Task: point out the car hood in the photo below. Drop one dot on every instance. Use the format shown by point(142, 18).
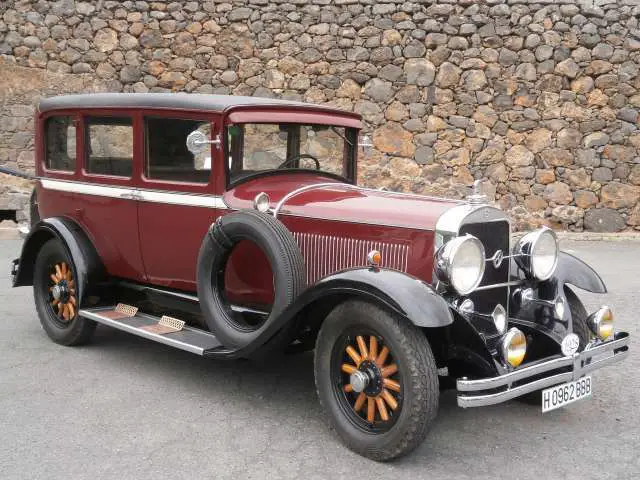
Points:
point(342, 202)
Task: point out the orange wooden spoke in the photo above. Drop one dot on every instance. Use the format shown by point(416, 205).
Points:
point(382, 357)
point(391, 384)
point(359, 402)
point(54, 303)
point(72, 300)
point(389, 399)
point(68, 276)
point(382, 408)
point(54, 278)
point(354, 355)
point(346, 368)
point(58, 272)
point(60, 309)
point(71, 283)
point(389, 370)
point(65, 312)
point(72, 312)
point(72, 291)
point(63, 269)
point(371, 409)
point(348, 388)
point(363, 347)
point(373, 347)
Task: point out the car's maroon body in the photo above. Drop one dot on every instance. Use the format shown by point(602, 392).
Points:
point(157, 243)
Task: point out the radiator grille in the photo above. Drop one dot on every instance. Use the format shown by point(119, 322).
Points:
point(325, 254)
point(494, 236)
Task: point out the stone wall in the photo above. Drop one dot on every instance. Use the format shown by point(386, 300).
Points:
point(540, 98)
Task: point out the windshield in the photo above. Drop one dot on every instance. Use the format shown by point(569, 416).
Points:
point(255, 148)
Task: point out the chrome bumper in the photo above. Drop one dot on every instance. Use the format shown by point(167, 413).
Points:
point(492, 390)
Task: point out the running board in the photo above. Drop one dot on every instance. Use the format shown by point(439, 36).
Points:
point(164, 330)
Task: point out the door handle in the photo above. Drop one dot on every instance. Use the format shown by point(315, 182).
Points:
point(127, 195)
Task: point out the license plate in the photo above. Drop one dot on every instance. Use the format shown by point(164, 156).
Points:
point(561, 395)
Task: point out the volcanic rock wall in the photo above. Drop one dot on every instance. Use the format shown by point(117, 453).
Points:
point(540, 98)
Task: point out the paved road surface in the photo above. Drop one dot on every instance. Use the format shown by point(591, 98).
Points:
point(125, 408)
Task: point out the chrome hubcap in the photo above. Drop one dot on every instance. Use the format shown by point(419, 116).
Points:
point(359, 381)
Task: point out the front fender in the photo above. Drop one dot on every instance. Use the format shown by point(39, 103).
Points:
point(406, 295)
point(88, 265)
point(575, 272)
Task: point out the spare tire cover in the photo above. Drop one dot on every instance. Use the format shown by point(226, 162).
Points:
point(287, 265)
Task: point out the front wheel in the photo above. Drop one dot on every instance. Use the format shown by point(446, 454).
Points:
point(377, 380)
point(55, 293)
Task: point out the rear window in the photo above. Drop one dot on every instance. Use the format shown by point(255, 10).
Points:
point(110, 146)
point(60, 140)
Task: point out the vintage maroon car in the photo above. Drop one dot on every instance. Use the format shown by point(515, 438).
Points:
point(232, 227)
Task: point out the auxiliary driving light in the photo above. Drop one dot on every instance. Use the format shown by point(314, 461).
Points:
point(499, 316)
point(514, 347)
point(601, 323)
point(261, 202)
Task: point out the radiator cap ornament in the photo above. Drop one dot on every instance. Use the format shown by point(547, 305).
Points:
point(477, 197)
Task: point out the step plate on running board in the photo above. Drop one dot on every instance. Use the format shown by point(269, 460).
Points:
point(190, 339)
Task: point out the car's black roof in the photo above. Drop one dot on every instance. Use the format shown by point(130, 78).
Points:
point(187, 101)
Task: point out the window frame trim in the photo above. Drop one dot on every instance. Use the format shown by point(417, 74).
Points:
point(75, 120)
point(86, 141)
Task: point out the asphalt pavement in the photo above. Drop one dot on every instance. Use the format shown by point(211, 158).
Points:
point(126, 408)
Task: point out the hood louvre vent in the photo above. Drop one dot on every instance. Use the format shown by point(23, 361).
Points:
point(325, 254)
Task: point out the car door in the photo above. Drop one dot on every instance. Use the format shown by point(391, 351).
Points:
point(177, 198)
point(105, 196)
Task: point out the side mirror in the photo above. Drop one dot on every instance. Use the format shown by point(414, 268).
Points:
point(197, 142)
point(366, 144)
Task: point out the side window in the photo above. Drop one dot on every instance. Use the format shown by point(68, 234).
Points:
point(168, 157)
point(109, 146)
point(60, 141)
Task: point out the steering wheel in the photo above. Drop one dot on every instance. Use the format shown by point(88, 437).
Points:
point(289, 161)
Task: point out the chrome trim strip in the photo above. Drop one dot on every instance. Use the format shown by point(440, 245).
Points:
point(134, 193)
point(498, 285)
point(580, 363)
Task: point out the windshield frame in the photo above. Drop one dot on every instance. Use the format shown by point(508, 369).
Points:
point(349, 159)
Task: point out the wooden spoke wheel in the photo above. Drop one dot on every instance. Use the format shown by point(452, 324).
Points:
point(57, 296)
point(370, 380)
point(62, 292)
point(376, 378)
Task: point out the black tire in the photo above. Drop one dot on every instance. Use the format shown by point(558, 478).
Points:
point(580, 328)
point(286, 262)
point(34, 213)
point(418, 378)
point(76, 330)
point(578, 318)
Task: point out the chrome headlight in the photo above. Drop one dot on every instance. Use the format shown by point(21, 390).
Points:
point(537, 253)
point(513, 347)
point(460, 263)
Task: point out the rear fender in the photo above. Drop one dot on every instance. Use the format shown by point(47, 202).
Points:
point(89, 267)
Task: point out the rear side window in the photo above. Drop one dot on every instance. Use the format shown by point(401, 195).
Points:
point(109, 146)
point(168, 157)
point(60, 144)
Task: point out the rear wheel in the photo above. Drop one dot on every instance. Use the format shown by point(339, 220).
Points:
point(56, 296)
point(377, 380)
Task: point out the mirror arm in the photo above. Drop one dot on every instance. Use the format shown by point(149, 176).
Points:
point(217, 142)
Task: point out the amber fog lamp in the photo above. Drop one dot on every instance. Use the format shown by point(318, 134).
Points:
point(261, 202)
point(374, 257)
point(537, 253)
point(514, 347)
point(601, 323)
point(460, 262)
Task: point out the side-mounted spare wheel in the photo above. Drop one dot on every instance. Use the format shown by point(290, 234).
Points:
point(56, 296)
point(287, 265)
point(377, 380)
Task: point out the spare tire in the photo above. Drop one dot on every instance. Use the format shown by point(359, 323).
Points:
point(287, 265)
